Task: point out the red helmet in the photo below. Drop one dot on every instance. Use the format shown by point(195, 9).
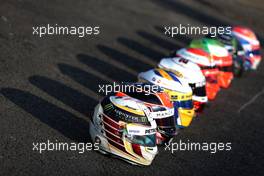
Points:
point(250, 44)
point(222, 58)
point(207, 65)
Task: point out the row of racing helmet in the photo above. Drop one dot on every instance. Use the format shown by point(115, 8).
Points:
point(130, 124)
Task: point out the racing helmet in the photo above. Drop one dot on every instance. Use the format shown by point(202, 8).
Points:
point(160, 107)
point(208, 68)
point(227, 39)
point(250, 44)
point(123, 126)
point(192, 73)
point(221, 57)
point(240, 62)
point(179, 91)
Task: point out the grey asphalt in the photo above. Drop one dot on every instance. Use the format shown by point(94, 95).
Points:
point(49, 85)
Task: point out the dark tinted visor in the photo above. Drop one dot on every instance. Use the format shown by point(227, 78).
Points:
point(198, 91)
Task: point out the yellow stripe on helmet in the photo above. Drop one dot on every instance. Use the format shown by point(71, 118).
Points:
point(177, 96)
point(134, 111)
point(164, 74)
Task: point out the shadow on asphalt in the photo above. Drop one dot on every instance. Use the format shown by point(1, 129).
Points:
point(57, 118)
point(129, 61)
point(141, 49)
point(184, 39)
point(69, 96)
point(82, 77)
point(165, 44)
point(111, 71)
point(181, 8)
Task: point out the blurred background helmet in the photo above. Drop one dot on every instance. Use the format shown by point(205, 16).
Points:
point(178, 89)
point(192, 73)
point(221, 57)
point(227, 39)
point(250, 44)
point(235, 49)
point(160, 106)
point(207, 66)
point(124, 127)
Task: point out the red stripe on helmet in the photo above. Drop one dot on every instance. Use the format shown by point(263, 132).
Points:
point(136, 149)
point(111, 122)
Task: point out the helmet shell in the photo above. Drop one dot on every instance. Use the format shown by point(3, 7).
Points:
point(196, 55)
point(191, 73)
point(122, 125)
point(250, 44)
point(221, 57)
point(215, 49)
point(189, 70)
point(208, 68)
point(228, 40)
point(166, 79)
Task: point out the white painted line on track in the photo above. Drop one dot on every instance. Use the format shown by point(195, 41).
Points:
point(251, 100)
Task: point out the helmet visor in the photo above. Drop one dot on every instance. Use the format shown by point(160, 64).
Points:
point(253, 53)
point(143, 140)
point(167, 126)
point(198, 90)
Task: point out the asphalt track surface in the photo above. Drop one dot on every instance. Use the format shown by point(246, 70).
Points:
point(49, 85)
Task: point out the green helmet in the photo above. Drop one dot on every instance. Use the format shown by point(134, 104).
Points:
point(212, 46)
point(228, 40)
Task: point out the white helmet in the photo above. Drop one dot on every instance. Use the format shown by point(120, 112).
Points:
point(178, 89)
point(192, 73)
point(123, 126)
point(166, 79)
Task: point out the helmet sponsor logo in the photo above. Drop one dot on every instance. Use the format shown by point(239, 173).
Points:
point(109, 107)
point(180, 97)
point(163, 114)
point(133, 131)
point(182, 60)
point(130, 118)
